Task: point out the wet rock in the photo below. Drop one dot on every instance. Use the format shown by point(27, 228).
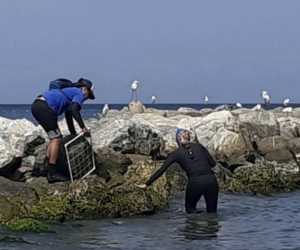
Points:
point(115, 162)
point(88, 198)
point(261, 178)
point(257, 152)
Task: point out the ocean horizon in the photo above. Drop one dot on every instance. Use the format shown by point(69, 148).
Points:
point(21, 111)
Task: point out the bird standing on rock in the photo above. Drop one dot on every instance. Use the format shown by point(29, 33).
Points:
point(286, 102)
point(153, 99)
point(105, 110)
point(206, 100)
point(134, 87)
point(257, 107)
point(238, 105)
point(266, 97)
point(287, 111)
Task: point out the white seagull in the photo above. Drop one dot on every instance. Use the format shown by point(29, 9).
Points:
point(105, 110)
point(287, 111)
point(239, 105)
point(134, 87)
point(286, 102)
point(266, 97)
point(153, 99)
point(257, 107)
point(206, 100)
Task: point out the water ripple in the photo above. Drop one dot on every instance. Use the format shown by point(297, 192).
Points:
point(242, 222)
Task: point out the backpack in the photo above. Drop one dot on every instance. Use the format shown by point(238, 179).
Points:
point(62, 83)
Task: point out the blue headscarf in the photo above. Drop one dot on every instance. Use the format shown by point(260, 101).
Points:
point(177, 134)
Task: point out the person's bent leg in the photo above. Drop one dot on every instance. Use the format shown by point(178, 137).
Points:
point(192, 196)
point(53, 148)
point(55, 140)
point(48, 120)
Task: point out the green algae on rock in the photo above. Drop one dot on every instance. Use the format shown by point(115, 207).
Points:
point(28, 225)
point(93, 198)
point(260, 179)
point(89, 198)
point(13, 239)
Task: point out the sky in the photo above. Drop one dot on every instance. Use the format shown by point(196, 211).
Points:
point(179, 51)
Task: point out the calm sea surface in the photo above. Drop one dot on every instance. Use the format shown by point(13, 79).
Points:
point(93, 110)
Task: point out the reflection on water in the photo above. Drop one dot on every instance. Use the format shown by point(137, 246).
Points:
point(242, 222)
point(200, 227)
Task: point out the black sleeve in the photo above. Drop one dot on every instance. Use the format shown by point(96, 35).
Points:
point(70, 123)
point(75, 109)
point(168, 162)
point(211, 161)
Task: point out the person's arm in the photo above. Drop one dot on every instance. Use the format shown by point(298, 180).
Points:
point(168, 162)
point(77, 102)
point(75, 110)
point(208, 156)
point(70, 123)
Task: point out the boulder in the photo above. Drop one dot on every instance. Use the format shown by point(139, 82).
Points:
point(91, 197)
point(136, 107)
point(257, 152)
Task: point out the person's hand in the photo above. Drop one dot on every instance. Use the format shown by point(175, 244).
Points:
point(141, 185)
point(86, 132)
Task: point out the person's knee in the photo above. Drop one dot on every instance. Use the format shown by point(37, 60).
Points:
point(54, 135)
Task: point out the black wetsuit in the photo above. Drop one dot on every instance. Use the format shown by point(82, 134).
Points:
point(197, 162)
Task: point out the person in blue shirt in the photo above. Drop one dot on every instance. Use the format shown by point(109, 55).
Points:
point(52, 103)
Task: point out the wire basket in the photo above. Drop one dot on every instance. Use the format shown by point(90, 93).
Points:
point(80, 157)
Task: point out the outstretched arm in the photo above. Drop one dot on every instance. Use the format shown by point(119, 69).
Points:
point(168, 162)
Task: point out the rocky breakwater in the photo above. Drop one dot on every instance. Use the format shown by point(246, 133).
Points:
point(257, 152)
point(107, 192)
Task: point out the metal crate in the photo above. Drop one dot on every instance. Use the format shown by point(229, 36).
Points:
point(80, 157)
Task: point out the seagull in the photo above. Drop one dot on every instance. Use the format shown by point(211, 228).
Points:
point(257, 107)
point(134, 87)
point(239, 105)
point(286, 102)
point(105, 110)
point(206, 100)
point(287, 111)
point(153, 99)
point(266, 97)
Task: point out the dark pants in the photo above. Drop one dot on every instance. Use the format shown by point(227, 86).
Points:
point(46, 118)
point(206, 185)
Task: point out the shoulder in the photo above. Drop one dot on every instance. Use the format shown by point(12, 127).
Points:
point(196, 145)
point(176, 152)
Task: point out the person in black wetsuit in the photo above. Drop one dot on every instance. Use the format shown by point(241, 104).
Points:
point(195, 159)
